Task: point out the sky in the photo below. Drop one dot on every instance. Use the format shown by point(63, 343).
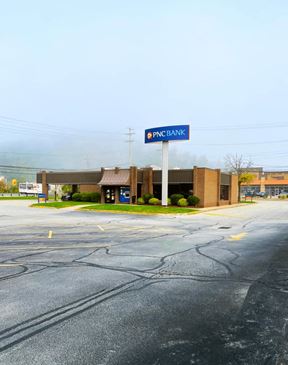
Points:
point(74, 76)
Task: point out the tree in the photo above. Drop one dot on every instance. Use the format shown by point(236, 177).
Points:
point(66, 189)
point(12, 189)
point(246, 178)
point(3, 187)
point(237, 165)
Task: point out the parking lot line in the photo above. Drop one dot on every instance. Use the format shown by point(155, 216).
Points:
point(237, 237)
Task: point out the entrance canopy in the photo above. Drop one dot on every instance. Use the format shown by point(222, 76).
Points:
point(115, 178)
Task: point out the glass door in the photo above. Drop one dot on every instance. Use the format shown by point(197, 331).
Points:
point(109, 194)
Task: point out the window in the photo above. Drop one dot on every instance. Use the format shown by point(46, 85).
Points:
point(224, 192)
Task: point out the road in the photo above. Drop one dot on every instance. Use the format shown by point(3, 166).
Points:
point(210, 288)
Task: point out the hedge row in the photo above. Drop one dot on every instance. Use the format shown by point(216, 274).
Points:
point(175, 199)
point(87, 197)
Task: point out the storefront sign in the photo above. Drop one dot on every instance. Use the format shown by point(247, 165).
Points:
point(171, 133)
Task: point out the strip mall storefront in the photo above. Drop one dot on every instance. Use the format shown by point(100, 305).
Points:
point(271, 183)
point(117, 185)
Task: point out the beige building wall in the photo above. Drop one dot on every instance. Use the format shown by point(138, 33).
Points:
point(234, 189)
point(211, 184)
point(206, 186)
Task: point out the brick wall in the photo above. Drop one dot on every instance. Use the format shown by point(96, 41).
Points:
point(234, 189)
point(147, 186)
point(44, 184)
point(133, 183)
point(89, 189)
point(211, 184)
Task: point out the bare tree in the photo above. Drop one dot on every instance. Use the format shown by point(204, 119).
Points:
point(238, 165)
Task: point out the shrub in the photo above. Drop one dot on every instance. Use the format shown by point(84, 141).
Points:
point(95, 197)
point(76, 197)
point(147, 197)
point(182, 202)
point(85, 197)
point(193, 200)
point(154, 201)
point(168, 201)
point(140, 201)
point(175, 197)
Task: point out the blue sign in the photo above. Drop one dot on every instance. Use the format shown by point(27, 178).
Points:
point(124, 195)
point(171, 133)
point(42, 198)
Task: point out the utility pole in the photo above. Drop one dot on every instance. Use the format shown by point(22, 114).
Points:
point(130, 141)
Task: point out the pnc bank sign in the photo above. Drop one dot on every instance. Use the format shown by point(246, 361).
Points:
point(171, 133)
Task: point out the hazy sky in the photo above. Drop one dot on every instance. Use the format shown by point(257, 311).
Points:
point(91, 69)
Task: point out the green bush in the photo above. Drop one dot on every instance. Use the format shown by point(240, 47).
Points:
point(147, 197)
point(154, 201)
point(168, 201)
point(95, 197)
point(140, 201)
point(85, 197)
point(182, 202)
point(193, 200)
point(76, 197)
point(175, 197)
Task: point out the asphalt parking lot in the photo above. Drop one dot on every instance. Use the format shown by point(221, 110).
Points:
point(129, 289)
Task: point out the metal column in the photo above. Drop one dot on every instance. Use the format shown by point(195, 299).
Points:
point(165, 145)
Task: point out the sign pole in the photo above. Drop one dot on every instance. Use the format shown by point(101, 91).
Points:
point(165, 149)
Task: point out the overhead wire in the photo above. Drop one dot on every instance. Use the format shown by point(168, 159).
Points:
point(25, 125)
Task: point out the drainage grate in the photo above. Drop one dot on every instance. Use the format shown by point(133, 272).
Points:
point(224, 227)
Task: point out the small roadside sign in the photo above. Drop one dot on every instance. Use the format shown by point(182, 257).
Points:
point(42, 198)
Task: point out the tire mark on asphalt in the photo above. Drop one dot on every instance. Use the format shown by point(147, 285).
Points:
point(7, 277)
point(14, 335)
point(26, 270)
point(21, 332)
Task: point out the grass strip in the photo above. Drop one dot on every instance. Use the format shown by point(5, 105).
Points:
point(139, 209)
point(18, 198)
point(59, 205)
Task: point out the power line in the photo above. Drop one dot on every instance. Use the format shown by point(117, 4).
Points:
point(22, 125)
point(26, 168)
point(240, 127)
point(13, 173)
point(241, 144)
